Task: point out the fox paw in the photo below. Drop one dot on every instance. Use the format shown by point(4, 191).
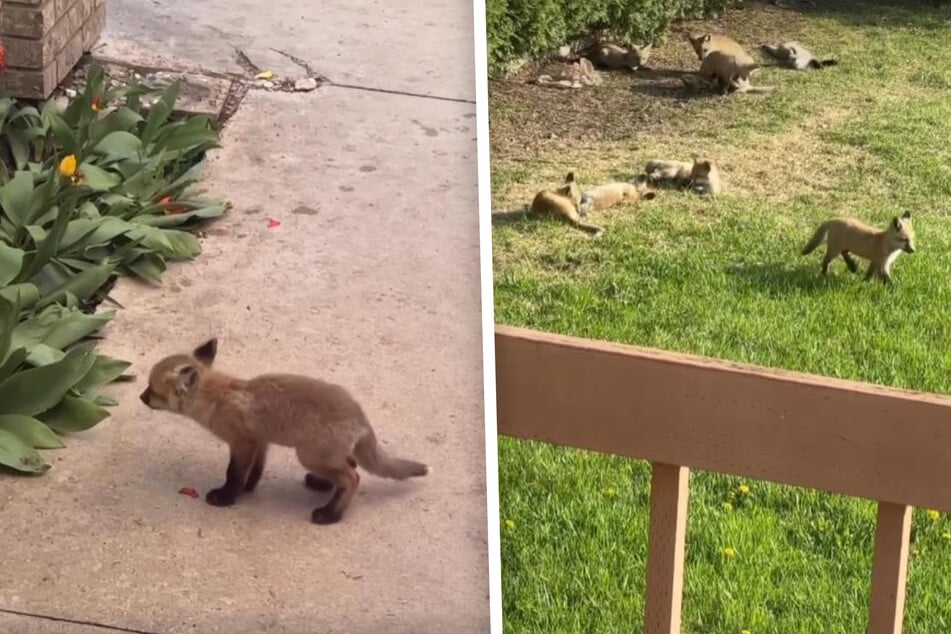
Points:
point(326, 515)
point(220, 497)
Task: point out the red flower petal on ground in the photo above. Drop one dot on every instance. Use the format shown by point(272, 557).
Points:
point(190, 492)
point(271, 223)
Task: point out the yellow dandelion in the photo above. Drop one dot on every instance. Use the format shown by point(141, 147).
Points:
point(946, 536)
point(727, 506)
point(933, 515)
point(510, 524)
point(746, 632)
point(745, 490)
point(729, 552)
point(610, 492)
point(67, 167)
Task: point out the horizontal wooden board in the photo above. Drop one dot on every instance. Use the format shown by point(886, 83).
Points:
point(810, 431)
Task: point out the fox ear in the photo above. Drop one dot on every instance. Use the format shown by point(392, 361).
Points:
point(707, 38)
point(896, 222)
point(206, 352)
point(647, 47)
point(186, 380)
point(570, 178)
point(906, 215)
point(649, 195)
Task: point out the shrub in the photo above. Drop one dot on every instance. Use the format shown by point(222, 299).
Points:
point(86, 194)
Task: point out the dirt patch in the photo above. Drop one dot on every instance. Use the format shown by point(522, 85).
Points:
point(524, 116)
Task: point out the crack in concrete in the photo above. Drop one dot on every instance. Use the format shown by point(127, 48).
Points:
point(303, 64)
point(60, 619)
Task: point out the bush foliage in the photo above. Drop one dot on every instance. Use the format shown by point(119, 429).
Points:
point(100, 189)
point(517, 28)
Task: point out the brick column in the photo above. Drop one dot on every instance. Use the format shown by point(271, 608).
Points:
point(44, 40)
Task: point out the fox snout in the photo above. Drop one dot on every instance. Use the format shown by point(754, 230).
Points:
point(144, 396)
point(909, 248)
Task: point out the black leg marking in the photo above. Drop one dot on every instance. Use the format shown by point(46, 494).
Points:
point(254, 476)
point(315, 482)
point(234, 482)
point(850, 261)
point(330, 512)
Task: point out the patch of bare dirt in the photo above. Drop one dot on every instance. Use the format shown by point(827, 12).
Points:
point(525, 116)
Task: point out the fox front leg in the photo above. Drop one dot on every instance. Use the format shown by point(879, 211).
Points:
point(240, 463)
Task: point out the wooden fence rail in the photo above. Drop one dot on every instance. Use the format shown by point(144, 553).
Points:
point(681, 412)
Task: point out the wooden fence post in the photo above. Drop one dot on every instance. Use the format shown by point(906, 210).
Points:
point(889, 568)
point(666, 542)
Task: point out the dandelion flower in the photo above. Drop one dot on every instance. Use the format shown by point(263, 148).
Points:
point(745, 490)
point(746, 632)
point(727, 506)
point(729, 551)
point(510, 524)
point(67, 166)
point(946, 536)
point(610, 492)
point(933, 515)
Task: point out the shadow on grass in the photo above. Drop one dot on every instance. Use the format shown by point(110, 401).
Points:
point(508, 217)
point(928, 14)
point(777, 280)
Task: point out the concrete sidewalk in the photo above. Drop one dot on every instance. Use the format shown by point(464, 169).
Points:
point(370, 280)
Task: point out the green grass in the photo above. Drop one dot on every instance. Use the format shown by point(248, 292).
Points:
point(724, 278)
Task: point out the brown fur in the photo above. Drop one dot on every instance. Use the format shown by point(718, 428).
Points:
point(848, 237)
point(610, 194)
point(320, 420)
point(702, 176)
point(796, 56)
point(615, 57)
point(707, 43)
point(724, 71)
point(564, 204)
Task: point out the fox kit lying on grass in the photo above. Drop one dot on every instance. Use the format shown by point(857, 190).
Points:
point(848, 237)
point(320, 420)
point(796, 56)
point(723, 71)
point(615, 57)
point(563, 203)
point(610, 194)
point(702, 176)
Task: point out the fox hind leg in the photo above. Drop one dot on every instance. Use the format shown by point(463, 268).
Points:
point(827, 260)
point(850, 261)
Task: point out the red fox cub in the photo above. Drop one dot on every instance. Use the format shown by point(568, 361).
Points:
point(564, 204)
point(610, 194)
point(615, 57)
point(702, 176)
point(796, 56)
point(848, 237)
point(705, 44)
point(320, 420)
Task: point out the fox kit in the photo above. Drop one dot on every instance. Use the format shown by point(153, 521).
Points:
point(702, 176)
point(320, 420)
point(796, 56)
point(707, 43)
point(610, 194)
point(616, 57)
point(848, 237)
point(563, 203)
point(726, 73)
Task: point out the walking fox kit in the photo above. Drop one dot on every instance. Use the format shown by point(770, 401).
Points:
point(848, 237)
point(320, 420)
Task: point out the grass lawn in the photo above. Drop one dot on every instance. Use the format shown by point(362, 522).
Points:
point(724, 278)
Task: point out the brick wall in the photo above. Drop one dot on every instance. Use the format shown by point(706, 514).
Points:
point(44, 40)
